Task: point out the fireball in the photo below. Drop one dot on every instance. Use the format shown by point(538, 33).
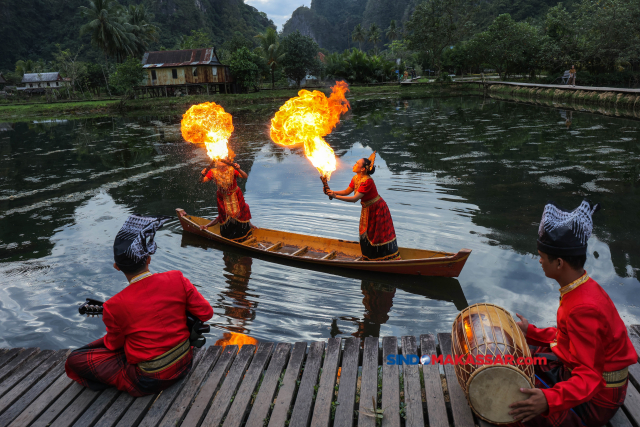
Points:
point(208, 124)
point(308, 117)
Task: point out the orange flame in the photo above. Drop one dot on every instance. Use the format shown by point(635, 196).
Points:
point(208, 124)
point(233, 338)
point(308, 117)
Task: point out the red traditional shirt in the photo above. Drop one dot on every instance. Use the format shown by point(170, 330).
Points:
point(365, 186)
point(590, 339)
point(148, 317)
point(225, 178)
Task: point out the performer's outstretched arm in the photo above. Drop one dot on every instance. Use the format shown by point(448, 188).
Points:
point(351, 199)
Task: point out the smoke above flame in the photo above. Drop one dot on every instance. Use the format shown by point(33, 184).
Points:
point(308, 117)
point(208, 124)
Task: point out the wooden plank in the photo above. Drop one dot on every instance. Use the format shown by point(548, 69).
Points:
point(30, 365)
point(632, 404)
point(208, 390)
point(330, 255)
point(326, 390)
point(304, 401)
point(177, 411)
point(59, 405)
point(412, 388)
point(98, 408)
point(634, 370)
point(275, 247)
point(249, 241)
point(32, 394)
point(43, 401)
point(262, 404)
point(115, 411)
point(136, 411)
point(348, 382)
point(301, 251)
point(222, 401)
point(460, 409)
point(620, 420)
point(390, 385)
point(242, 399)
point(369, 383)
point(436, 409)
point(8, 355)
point(22, 357)
point(160, 406)
point(76, 409)
point(284, 399)
point(28, 384)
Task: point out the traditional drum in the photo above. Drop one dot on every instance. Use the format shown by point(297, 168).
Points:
point(483, 330)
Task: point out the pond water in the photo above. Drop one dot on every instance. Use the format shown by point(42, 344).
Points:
point(456, 172)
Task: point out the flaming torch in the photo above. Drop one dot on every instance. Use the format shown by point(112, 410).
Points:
point(308, 117)
point(209, 124)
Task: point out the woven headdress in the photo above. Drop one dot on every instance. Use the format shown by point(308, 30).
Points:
point(564, 232)
point(135, 241)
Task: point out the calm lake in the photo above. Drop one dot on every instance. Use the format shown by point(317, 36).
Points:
point(456, 172)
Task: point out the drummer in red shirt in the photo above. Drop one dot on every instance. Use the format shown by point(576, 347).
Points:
point(585, 380)
point(146, 348)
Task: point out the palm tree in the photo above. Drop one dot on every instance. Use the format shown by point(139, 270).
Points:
point(143, 29)
point(392, 31)
point(271, 50)
point(374, 36)
point(109, 29)
point(358, 35)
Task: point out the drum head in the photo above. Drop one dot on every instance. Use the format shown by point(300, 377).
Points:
point(493, 389)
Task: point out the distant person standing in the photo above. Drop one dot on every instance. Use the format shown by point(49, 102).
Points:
point(406, 75)
point(572, 76)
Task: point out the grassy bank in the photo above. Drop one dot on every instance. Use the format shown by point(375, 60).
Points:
point(231, 103)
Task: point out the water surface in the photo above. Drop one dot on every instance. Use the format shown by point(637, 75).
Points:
point(456, 172)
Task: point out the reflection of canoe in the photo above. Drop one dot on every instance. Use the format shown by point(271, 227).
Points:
point(333, 252)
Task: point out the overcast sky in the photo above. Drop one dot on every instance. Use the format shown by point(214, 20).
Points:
point(278, 10)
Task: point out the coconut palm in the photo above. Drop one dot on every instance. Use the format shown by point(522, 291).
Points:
point(271, 50)
point(359, 35)
point(143, 29)
point(392, 31)
point(374, 36)
point(109, 29)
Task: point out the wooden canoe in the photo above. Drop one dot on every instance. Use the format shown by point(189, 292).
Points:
point(333, 252)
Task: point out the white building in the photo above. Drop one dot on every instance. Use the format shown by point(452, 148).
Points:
point(39, 82)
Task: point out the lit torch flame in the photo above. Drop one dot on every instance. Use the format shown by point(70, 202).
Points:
point(234, 338)
point(308, 117)
point(208, 124)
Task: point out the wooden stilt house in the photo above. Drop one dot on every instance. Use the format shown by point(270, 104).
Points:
point(189, 71)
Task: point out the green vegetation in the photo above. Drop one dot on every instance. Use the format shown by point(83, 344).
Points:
point(300, 57)
point(271, 50)
point(355, 66)
point(245, 67)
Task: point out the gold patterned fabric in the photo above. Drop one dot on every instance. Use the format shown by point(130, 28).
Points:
point(166, 359)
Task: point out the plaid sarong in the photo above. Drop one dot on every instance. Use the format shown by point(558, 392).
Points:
point(377, 235)
point(594, 413)
point(96, 367)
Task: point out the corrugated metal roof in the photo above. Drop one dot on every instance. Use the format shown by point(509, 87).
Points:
point(180, 58)
point(41, 77)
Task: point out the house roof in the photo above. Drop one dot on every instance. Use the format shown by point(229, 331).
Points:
point(41, 77)
point(180, 58)
point(2, 79)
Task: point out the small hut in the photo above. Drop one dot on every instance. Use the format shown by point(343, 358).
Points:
point(40, 82)
point(187, 71)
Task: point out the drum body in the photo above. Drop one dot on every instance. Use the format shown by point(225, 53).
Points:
point(488, 330)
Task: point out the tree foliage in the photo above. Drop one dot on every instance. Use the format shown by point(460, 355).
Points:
point(245, 67)
point(301, 57)
point(199, 39)
point(127, 76)
point(439, 24)
point(355, 66)
point(271, 50)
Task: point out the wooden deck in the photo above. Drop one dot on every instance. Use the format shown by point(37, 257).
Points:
point(339, 383)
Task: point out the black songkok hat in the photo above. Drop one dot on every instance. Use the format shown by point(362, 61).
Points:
point(565, 233)
point(135, 241)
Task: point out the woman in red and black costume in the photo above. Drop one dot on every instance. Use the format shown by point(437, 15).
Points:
point(377, 235)
point(234, 215)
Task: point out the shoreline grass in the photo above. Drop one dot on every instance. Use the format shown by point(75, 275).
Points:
point(231, 103)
